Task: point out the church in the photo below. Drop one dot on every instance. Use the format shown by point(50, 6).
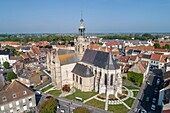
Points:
point(83, 68)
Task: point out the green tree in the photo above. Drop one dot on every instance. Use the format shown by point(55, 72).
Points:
point(11, 75)
point(6, 65)
point(157, 45)
point(136, 78)
point(49, 106)
point(167, 46)
point(81, 110)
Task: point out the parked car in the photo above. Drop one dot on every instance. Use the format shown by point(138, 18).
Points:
point(143, 111)
point(153, 100)
point(153, 107)
point(156, 90)
point(148, 82)
point(147, 99)
point(158, 81)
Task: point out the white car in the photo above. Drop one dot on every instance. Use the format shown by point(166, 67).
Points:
point(62, 111)
point(153, 107)
point(143, 111)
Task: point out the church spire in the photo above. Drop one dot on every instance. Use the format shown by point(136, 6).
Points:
point(82, 27)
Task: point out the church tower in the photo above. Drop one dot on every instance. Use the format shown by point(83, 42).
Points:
point(81, 44)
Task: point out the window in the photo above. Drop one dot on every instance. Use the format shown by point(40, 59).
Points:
point(111, 79)
point(14, 95)
point(10, 105)
point(17, 103)
point(80, 80)
point(4, 99)
point(73, 77)
point(23, 100)
point(105, 80)
point(30, 99)
point(76, 78)
point(2, 108)
point(24, 92)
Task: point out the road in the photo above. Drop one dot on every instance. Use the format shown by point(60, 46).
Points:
point(147, 90)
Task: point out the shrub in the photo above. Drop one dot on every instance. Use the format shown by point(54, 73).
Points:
point(66, 88)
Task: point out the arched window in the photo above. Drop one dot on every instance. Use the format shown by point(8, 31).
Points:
point(111, 79)
point(105, 79)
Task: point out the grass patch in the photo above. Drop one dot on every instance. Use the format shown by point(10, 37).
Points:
point(55, 92)
point(83, 95)
point(118, 108)
point(129, 102)
point(37, 86)
point(135, 93)
point(131, 87)
point(47, 88)
point(113, 108)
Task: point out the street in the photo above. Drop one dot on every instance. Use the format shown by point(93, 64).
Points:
point(144, 100)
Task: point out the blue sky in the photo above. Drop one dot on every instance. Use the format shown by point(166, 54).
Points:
point(106, 16)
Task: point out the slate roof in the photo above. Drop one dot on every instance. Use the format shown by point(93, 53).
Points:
point(100, 59)
point(64, 51)
point(146, 56)
point(4, 52)
point(17, 88)
point(82, 70)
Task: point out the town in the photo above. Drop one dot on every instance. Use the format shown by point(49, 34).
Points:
point(87, 73)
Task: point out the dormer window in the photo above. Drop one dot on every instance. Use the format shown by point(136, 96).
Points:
point(4, 99)
point(24, 92)
point(14, 96)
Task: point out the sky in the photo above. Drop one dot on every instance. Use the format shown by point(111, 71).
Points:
point(100, 16)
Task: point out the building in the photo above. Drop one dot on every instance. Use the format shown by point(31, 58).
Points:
point(97, 71)
point(8, 43)
point(16, 98)
point(60, 63)
point(82, 43)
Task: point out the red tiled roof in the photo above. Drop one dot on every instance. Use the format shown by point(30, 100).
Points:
point(155, 57)
point(133, 58)
point(112, 43)
point(123, 59)
point(163, 58)
point(11, 43)
point(159, 50)
point(142, 48)
point(94, 46)
point(36, 50)
point(141, 67)
point(24, 56)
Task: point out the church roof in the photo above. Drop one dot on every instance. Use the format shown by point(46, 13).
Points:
point(68, 58)
point(64, 51)
point(100, 59)
point(82, 70)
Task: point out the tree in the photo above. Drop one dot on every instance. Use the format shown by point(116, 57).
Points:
point(66, 88)
point(167, 46)
point(81, 110)
point(11, 75)
point(136, 78)
point(49, 106)
point(6, 64)
point(157, 45)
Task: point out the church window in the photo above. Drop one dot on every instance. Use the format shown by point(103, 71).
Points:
point(80, 80)
point(76, 78)
point(111, 79)
point(95, 71)
point(73, 77)
point(105, 80)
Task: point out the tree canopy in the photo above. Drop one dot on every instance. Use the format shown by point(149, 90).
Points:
point(49, 106)
point(81, 110)
point(6, 64)
point(157, 45)
point(136, 78)
point(11, 75)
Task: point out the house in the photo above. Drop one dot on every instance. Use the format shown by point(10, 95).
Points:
point(162, 62)
point(133, 59)
point(154, 60)
point(146, 57)
point(16, 98)
point(8, 43)
point(141, 67)
point(101, 70)
point(5, 57)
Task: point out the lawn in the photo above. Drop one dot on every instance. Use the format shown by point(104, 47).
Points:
point(47, 88)
point(55, 92)
point(135, 93)
point(83, 95)
point(113, 108)
point(131, 87)
point(129, 102)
